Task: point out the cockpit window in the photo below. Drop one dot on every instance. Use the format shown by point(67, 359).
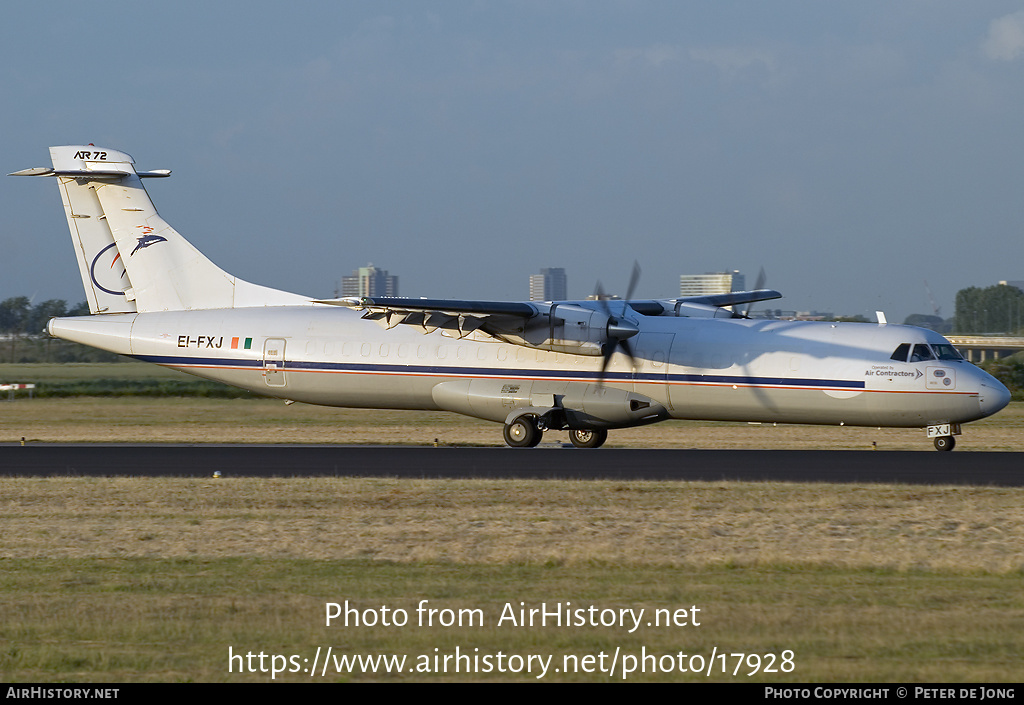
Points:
point(901, 352)
point(921, 353)
point(947, 352)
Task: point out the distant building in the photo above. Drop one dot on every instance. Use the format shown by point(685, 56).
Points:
point(711, 283)
point(369, 281)
point(1018, 284)
point(549, 285)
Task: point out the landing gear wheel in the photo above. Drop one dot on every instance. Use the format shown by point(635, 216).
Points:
point(523, 432)
point(588, 437)
point(945, 443)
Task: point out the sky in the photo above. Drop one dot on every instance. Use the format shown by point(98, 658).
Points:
point(855, 150)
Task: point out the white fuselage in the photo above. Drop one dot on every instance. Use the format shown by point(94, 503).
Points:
point(696, 368)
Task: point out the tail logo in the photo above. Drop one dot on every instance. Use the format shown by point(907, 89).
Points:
point(147, 239)
point(109, 274)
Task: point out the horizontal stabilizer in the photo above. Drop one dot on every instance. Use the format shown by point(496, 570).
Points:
point(89, 173)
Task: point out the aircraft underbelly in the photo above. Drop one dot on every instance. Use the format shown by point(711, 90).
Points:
point(821, 406)
point(493, 398)
point(355, 390)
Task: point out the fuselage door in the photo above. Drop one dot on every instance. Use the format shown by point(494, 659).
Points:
point(273, 362)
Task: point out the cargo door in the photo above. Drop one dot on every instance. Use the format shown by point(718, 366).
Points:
point(273, 362)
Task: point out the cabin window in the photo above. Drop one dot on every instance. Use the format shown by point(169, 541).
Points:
point(901, 352)
point(921, 353)
point(947, 352)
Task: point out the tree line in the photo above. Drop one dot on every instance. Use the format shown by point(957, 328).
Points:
point(23, 338)
point(994, 310)
point(19, 317)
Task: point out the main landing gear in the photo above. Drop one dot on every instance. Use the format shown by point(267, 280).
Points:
point(588, 437)
point(525, 432)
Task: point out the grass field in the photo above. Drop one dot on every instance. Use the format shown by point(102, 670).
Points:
point(127, 579)
point(257, 420)
point(40, 373)
point(122, 579)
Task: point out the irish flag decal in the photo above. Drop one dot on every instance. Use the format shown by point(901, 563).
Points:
point(246, 346)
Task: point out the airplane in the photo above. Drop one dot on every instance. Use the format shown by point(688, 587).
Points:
point(586, 366)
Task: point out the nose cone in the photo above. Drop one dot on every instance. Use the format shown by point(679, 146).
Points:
point(994, 396)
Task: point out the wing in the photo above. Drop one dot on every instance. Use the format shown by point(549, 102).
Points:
point(578, 327)
point(459, 318)
point(733, 298)
point(713, 305)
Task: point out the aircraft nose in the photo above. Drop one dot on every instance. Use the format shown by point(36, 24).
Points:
point(994, 396)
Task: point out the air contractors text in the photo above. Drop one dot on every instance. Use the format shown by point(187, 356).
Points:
point(890, 371)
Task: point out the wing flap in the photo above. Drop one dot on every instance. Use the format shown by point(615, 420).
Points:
point(450, 306)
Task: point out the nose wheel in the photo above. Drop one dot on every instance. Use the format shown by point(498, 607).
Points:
point(943, 435)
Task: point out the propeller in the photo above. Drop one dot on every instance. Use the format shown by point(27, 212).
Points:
point(619, 329)
point(761, 277)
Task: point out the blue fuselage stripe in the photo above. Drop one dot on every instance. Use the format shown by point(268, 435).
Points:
point(513, 373)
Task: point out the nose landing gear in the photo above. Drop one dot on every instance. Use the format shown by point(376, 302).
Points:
point(943, 435)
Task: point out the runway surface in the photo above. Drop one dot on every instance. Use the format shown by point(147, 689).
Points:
point(933, 468)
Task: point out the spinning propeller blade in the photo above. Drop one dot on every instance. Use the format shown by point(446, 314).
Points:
point(619, 329)
point(757, 286)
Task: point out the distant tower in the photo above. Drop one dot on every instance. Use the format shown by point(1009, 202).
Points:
point(369, 281)
point(711, 283)
point(549, 285)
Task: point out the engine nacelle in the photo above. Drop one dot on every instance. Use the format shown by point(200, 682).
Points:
point(695, 310)
point(569, 328)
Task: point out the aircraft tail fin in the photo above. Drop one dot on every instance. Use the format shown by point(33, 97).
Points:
point(129, 257)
